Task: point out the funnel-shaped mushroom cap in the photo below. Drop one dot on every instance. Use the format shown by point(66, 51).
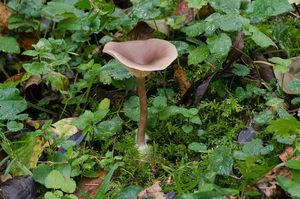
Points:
point(142, 56)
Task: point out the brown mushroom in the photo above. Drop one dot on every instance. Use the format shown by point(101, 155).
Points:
point(141, 57)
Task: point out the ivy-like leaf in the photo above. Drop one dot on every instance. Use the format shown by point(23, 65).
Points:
point(261, 9)
point(11, 104)
point(198, 55)
point(9, 45)
point(219, 44)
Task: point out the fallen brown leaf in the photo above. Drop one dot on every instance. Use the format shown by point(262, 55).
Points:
point(286, 154)
point(268, 183)
point(4, 15)
point(90, 185)
point(15, 78)
point(153, 191)
point(183, 9)
point(140, 32)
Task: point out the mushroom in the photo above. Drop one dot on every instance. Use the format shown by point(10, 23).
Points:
point(141, 57)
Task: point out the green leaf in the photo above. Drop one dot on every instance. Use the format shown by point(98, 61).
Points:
point(260, 38)
point(146, 9)
point(37, 68)
point(261, 9)
point(264, 117)
point(132, 108)
point(108, 128)
point(281, 65)
point(275, 102)
point(293, 164)
point(284, 127)
point(228, 6)
point(113, 70)
point(219, 44)
point(221, 160)
point(255, 147)
point(294, 85)
point(198, 55)
point(289, 186)
point(68, 186)
point(129, 192)
point(41, 172)
point(230, 22)
point(198, 147)
point(104, 185)
point(54, 180)
point(194, 29)
point(31, 53)
point(240, 70)
point(9, 45)
point(197, 3)
point(160, 102)
point(181, 46)
point(14, 126)
point(187, 128)
point(11, 104)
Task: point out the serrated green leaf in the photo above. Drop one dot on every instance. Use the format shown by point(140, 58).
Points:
point(113, 70)
point(194, 29)
point(219, 44)
point(198, 55)
point(240, 70)
point(108, 128)
point(132, 108)
point(11, 104)
point(284, 127)
point(9, 45)
point(221, 160)
point(37, 68)
point(264, 117)
point(294, 85)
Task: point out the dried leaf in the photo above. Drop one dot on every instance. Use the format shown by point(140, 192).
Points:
point(153, 191)
point(15, 78)
point(27, 40)
point(4, 15)
point(205, 11)
point(183, 9)
point(181, 78)
point(33, 89)
point(201, 89)
point(141, 31)
point(268, 184)
point(236, 51)
point(90, 185)
point(292, 75)
point(265, 71)
point(286, 154)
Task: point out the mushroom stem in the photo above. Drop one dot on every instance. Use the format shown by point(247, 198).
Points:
point(143, 111)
